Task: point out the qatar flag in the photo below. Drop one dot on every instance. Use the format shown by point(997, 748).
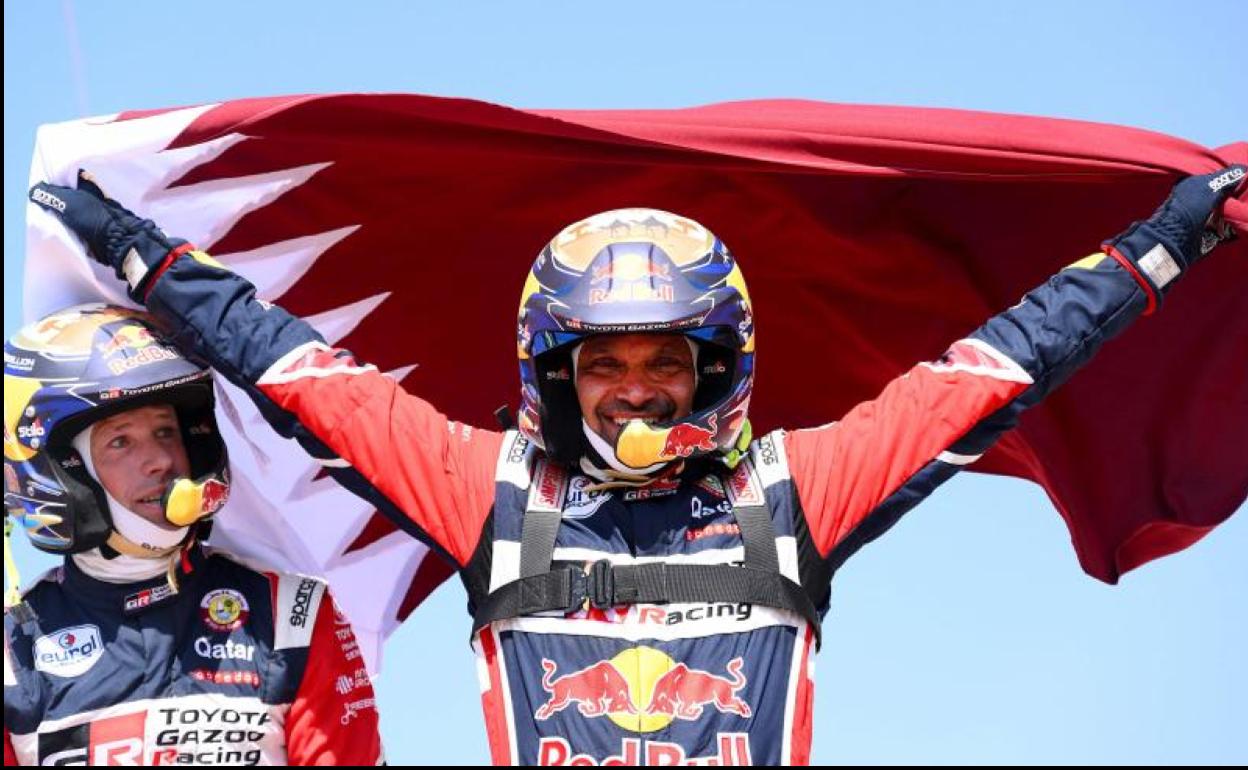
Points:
point(402, 227)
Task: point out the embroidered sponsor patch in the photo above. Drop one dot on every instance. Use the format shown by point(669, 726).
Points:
point(147, 597)
point(69, 652)
point(581, 504)
point(223, 609)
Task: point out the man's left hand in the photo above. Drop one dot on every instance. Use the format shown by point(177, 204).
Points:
point(135, 248)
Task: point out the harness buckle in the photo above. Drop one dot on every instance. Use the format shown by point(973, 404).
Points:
point(593, 586)
point(601, 578)
point(578, 590)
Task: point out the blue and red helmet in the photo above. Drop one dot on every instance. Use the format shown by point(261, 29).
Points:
point(72, 369)
point(634, 271)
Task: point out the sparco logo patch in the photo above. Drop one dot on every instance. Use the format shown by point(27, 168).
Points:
point(47, 199)
point(303, 598)
point(1223, 180)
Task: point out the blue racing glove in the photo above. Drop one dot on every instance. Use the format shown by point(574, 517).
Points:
point(136, 249)
point(1180, 233)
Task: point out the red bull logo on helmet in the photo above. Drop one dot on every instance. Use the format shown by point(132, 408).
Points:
point(631, 267)
point(631, 278)
point(213, 495)
point(142, 357)
point(632, 292)
point(686, 438)
point(137, 347)
point(129, 337)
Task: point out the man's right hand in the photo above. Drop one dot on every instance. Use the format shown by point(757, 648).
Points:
point(136, 249)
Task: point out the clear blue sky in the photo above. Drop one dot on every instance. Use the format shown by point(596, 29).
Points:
point(968, 634)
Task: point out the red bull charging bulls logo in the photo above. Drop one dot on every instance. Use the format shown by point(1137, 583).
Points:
point(631, 268)
point(618, 688)
point(596, 690)
point(683, 692)
point(685, 439)
point(127, 338)
point(631, 277)
point(214, 495)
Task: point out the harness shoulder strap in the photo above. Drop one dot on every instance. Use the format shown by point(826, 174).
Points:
point(542, 516)
point(541, 589)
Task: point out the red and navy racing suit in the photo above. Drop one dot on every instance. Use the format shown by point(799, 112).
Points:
point(238, 667)
point(723, 682)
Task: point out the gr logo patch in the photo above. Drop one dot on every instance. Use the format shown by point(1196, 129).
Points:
point(109, 741)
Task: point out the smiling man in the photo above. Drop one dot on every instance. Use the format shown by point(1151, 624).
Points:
point(647, 579)
point(626, 377)
point(145, 647)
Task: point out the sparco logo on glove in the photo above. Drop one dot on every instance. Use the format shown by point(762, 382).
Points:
point(47, 199)
point(1229, 178)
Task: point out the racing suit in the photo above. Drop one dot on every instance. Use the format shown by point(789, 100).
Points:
point(724, 682)
point(236, 667)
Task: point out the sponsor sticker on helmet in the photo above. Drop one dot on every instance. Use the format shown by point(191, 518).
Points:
point(142, 357)
point(18, 363)
point(685, 438)
point(128, 337)
point(214, 494)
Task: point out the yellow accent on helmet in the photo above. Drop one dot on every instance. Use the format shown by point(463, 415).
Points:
point(185, 503)
point(640, 446)
point(741, 448)
point(17, 394)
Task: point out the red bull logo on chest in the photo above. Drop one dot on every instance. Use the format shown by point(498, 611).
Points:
point(596, 690)
point(643, 690)
point(732, 750)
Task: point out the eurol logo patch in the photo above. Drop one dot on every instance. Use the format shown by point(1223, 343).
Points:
point(69, 652)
